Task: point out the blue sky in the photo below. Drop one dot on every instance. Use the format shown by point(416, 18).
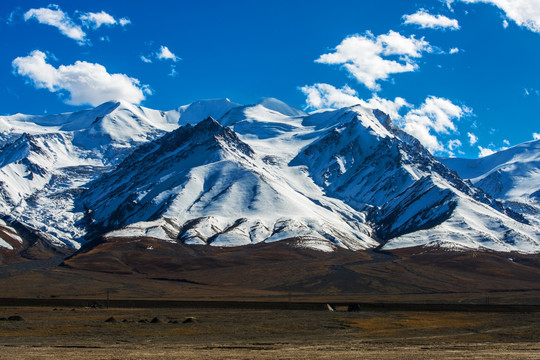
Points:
point(463, 76)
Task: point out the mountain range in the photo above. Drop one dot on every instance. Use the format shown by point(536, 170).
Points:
point(215, 173)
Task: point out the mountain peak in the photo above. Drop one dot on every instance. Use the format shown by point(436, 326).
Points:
point(279, 106)
point(208, 124)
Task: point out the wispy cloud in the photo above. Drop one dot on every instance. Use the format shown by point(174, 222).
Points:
point(96, 20)
point(54, 16)
point(163, 54)
point(365, 56)
point(473, 139)
point(454, 144)
point(14, 16)
point(124, 21)
point(85, 83)
point(173, 72)
point(428, 21)
point(145, 59)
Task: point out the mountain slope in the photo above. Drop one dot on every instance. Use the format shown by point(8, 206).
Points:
point(46, 159)
point(405, 191)
point(511, 175)
point(208, 187)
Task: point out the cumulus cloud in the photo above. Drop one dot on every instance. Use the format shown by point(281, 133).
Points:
point(434, 117)
point(53, 16)
point(536, 136)
point(165, 54)
point(325, 96)
point(525, 13)
point(485, 151)
point(364, 57)
point(454, 51)
point(473, 139)
point(390, 107)
point(428, 21)
point(85, 83)
point(96, 20)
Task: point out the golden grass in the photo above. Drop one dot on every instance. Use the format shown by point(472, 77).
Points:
point(395, 323)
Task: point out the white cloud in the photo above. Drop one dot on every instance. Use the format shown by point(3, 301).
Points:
point(124, 21)
point(96, 20)
point(435, 116)
point(473, 139)
point(13, 16)
point(506, 142)
point(362, 56)
point(173, 72)
point(525, 13)
point(536, 136)
point(86, 83)
point(485, 151)
point(165, 54)
point(394, 43)
point(324, 96)
point(145, 59)
point(425, 20)
point(454, 144)
point(505, 23)
point(454, 51)
point(390, 107)
point(55, 17)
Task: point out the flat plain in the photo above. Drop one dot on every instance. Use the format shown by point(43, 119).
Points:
point(240, 333)
point(65, 325)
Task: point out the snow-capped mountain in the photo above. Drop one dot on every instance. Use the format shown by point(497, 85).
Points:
point(511, 175)
point(222, 174)
point(45, 160)
point(202, 185)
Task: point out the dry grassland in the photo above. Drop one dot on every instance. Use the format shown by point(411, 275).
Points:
point(83, 333)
